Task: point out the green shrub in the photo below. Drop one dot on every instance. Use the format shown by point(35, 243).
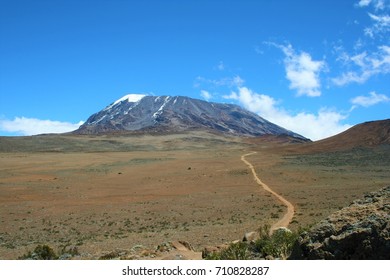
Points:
point(236, 251)
point(41, 252)
point(277, 245)
point(109, 256)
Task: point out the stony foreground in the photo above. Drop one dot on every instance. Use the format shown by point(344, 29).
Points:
point(359, 231)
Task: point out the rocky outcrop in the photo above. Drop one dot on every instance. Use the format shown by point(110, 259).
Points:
point(360, 231)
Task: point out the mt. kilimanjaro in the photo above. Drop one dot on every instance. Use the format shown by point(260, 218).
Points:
point(136, 112)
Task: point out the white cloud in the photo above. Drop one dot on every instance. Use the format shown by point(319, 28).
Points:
point(378, 4)
point(352, 77)
point(326, 122)
point(206, 95)
point(370, 100)
point(32, 126)
point(358, 44)
point(364, 3)
point(367, 66)
point(229, 82)
point(261, 104)
point(302, 71)
point(380, 26)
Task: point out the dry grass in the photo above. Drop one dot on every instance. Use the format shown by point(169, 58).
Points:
point(141, 191)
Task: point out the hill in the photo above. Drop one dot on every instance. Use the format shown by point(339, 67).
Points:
point(368, 134)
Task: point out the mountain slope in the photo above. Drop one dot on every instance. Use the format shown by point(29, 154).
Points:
point(368, 134)
point(178, 113)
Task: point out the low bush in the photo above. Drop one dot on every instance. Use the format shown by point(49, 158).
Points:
point(41, 252)
point(236, 251)
point(277, 245)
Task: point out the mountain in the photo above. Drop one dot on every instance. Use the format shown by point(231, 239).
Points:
point(135, 112)
point(367, 134)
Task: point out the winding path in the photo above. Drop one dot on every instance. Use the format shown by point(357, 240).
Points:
point(287, 218)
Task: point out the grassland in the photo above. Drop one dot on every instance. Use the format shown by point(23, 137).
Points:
point(107, 193)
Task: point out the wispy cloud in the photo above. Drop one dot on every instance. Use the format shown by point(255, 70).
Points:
point(377, 4)
point(302, 71)
point(373, 98)
point(32, 126)
point(229, 82)
point(380, 20)
point(367, 65)
point(206, 95)
point(326, 122)
point(380, 26)
point(361, 65)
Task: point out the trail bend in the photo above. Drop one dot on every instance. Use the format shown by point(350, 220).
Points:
point(287, 218)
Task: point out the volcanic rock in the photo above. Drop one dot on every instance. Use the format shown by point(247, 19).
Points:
point(360, 231)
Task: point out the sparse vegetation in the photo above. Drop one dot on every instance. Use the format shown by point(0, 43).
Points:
point(41, 252)
point(236, 251)
point(45, 252)
point(109, 256)
point(279, 245)
point(157, 197)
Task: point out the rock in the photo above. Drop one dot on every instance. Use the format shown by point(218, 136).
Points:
point(182, 246)
point(213, 249)
point(164, 247)
point(65, 256)
point(359, 231)
point(250, 236)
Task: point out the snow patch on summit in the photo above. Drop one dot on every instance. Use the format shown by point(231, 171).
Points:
point(130, 98)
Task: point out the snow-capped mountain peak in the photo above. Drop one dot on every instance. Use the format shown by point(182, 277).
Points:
point(178, 113)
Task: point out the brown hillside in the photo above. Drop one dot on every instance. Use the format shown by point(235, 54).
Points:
point(368, 134)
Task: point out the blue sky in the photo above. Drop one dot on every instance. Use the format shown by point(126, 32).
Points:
point(315, 67)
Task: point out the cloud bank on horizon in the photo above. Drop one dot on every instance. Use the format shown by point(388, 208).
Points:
point(32, 126)
point(328, 69)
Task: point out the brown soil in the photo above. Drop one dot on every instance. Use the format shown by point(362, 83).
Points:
point(130, 194)
point(369, 134)
point(287, 218)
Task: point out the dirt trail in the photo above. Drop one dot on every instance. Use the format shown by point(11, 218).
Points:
point(287, 218)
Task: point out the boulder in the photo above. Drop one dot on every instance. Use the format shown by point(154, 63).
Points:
point(250, 236)
point(359, 231)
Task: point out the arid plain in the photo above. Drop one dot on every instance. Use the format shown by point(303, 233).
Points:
point(132, 193)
